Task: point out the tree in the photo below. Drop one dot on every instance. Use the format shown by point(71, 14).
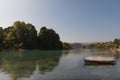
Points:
point(9, 37)
point(22, 35)
point(31, 36)
point(116, 41)
point(26, 35)
point(1, 38)
point(66, 46)
point(49, 39)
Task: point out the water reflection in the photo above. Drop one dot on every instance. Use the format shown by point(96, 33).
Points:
point(57, 65)
point(18, 64)
point(99, 66)
point(65, 52)
point(107, 53)
point(104, 53)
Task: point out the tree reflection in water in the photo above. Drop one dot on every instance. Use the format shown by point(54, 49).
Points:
point(18, 64)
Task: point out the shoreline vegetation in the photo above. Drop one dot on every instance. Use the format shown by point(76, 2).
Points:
point(113, 46)
point(24, 36)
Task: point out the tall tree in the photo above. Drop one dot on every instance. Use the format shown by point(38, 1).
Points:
point(116, 41)
point(49, 39)
point(9, 37)
point(1, 38)
point(20, 33)
point(26, 35)
point(31, 37)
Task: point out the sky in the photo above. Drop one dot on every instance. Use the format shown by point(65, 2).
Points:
point(73, 20)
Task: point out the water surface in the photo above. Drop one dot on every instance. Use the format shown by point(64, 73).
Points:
point(56, 65)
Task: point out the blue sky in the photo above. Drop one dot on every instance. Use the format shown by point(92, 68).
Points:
point(73, 20)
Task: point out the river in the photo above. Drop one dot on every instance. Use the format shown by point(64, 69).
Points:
point(56, 65)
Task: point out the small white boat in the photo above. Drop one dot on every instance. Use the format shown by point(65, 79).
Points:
point(100, 60)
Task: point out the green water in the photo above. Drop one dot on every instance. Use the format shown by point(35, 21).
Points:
point(56, 65)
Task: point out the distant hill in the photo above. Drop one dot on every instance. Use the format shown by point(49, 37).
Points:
point(76, 45)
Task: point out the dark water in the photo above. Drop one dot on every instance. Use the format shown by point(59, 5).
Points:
point(56, 65)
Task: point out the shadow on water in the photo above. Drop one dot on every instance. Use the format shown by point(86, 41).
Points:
point(97, 65)
point(18, 64)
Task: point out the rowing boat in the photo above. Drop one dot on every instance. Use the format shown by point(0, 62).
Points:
point(100, 60)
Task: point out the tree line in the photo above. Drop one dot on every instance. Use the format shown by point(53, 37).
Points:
point(115, 44)
point(23, 35)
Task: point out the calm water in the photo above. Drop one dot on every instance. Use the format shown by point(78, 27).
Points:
point(56, 65)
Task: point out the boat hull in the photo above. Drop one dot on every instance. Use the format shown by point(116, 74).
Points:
point(99, 60)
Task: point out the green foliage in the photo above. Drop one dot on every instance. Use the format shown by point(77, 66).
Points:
point(1, 38)
point(66, 46)
point(106, 45)
point(31, 37)
point(9, 37)
point(116, 41)
point(49, 39)
point(22, 35)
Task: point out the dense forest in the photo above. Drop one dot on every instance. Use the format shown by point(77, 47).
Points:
point(23, 35)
